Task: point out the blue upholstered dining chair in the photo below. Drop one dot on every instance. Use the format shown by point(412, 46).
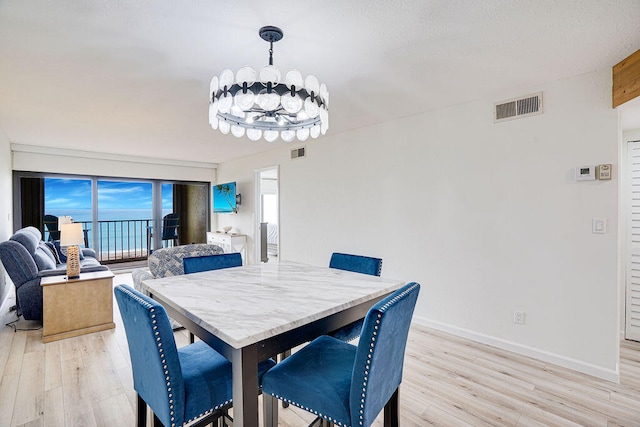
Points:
point(197, 264)
point(179, 385)
point(344, 384)
point(358, 264)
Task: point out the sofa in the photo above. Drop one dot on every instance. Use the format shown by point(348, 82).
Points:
point(168, 262)
point(27, 259)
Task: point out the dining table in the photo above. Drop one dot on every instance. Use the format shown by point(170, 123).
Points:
point(257, 311)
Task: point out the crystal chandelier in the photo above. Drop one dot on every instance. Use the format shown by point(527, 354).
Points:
point(261, 105)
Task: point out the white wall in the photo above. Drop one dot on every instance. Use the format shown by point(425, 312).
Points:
point(5, 208)
point(487, 217)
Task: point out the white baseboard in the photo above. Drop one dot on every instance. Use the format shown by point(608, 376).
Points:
point(545, 356)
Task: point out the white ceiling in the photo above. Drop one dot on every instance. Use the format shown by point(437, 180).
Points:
point(132, 77)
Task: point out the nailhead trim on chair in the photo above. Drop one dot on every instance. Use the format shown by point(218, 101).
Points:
point(166, 368)
point(228, 402)
point(313, 411)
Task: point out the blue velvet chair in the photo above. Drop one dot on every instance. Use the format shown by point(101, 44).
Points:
point(344, 384)
point(211, 262)
point(179, 385)
point(358, 264)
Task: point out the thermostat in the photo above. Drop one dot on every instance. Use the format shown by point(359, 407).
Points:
point(585, 173)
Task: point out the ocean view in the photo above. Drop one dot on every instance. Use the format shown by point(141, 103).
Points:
point(124, 212)
point(119, 230)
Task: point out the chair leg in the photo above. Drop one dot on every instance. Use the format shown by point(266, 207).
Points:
point(391, 414)
point(192, 338)
point(283, 356)
point(269, 410)
point(141, 412)
point(156, 421)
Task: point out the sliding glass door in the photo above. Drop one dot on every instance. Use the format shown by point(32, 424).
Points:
point(119, 216)
point(124, 218)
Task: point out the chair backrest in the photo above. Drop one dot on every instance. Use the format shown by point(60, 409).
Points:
point(157, 375)
point(170, 224)
point(51, 224)
point(211, 262)
point(377, 371)
point(356, 263)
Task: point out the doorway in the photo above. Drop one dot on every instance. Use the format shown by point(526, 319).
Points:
point(268, 215)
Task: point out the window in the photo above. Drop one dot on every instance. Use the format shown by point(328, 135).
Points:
point(118, 215)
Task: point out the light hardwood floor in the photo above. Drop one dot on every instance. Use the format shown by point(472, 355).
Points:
point(448, 381)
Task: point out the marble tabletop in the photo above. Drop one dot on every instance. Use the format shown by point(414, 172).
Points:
point(244, 305)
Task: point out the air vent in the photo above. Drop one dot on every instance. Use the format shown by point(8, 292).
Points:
point(298, 153)
point(516, 108)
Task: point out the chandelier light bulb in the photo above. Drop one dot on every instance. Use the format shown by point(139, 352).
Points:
point(263, 105)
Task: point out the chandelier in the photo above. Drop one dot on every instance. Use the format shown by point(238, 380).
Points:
point(261, 105)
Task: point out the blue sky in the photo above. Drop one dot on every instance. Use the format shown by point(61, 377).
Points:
point(76, 194)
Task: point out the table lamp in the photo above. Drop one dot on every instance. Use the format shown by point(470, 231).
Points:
point(71, 236)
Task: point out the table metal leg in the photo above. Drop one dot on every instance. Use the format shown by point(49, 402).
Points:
point(245, 387)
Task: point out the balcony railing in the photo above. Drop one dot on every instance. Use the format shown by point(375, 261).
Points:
point(119, 240)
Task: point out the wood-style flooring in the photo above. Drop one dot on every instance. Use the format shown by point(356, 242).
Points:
point(448, 381)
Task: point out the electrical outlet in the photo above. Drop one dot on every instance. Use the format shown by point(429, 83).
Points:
point(518, 317)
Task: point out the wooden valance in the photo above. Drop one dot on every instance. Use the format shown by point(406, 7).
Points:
point(626, 79)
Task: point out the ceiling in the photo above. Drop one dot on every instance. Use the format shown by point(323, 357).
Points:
point(132, 77)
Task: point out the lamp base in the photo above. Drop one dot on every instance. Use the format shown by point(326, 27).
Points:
point(73, 262)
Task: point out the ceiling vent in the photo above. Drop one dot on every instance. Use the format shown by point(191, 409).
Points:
point(297, 153)
point(516, 108)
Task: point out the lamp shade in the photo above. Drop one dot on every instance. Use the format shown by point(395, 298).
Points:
point(71, 234)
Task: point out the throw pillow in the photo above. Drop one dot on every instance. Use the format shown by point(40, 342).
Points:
point(62, 256)
point(62, 252)
point(47, 250)
point(54, 251)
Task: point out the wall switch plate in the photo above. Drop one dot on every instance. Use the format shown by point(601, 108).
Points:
point(598, 226)
point(603, 172)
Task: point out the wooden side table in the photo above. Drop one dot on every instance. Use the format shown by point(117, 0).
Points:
point(78, 306)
